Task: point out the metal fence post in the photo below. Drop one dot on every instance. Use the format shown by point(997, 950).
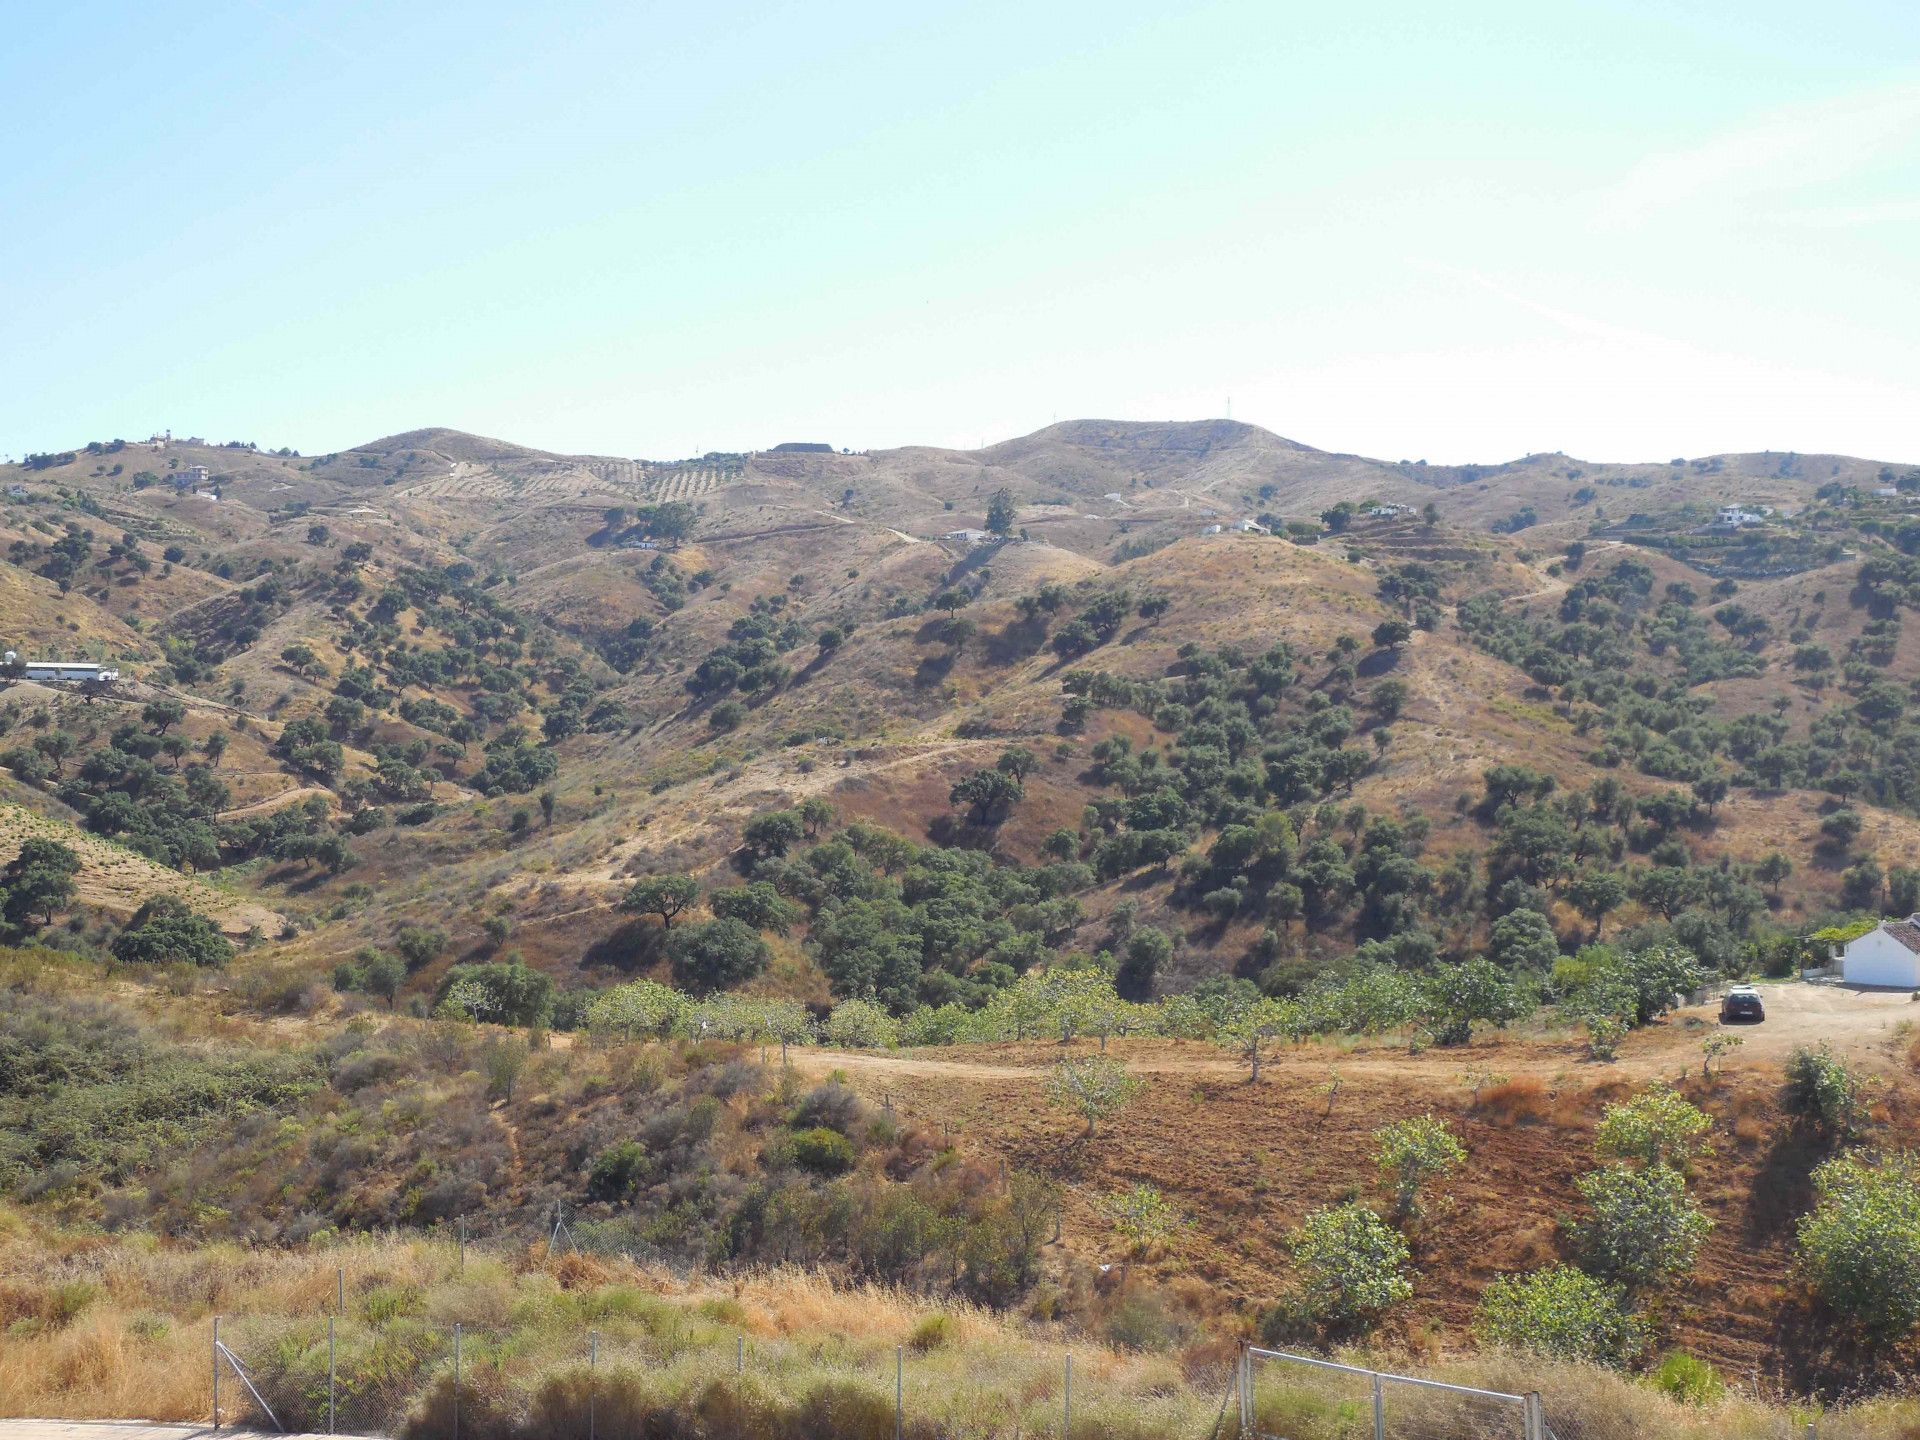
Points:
point(1534, 1415)
point(1246, 1389)
point(330, 1374)
point(1379, 1411)
point(593, 1377)
point(216, 1372)
point(456, 1380)
point(340, 1290)
point(1066, 1415)
point(899, 1391)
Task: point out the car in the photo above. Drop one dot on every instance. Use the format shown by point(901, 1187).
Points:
point(1742, 1002)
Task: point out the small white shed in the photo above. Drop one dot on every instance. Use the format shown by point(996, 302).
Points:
point(1887, 956)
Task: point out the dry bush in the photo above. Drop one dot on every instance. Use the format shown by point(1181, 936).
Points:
point(1516, 1102)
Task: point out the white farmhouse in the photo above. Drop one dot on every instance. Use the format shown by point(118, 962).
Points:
point(1887, 956)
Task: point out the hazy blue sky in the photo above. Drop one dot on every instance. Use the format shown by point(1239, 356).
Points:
point(1460, 231)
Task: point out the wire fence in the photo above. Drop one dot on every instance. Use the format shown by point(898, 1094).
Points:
point(1284, 1396)
point(372, 1366)
point(342, 1376)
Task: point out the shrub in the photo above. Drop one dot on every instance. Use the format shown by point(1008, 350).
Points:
point(1352, 1264)
point(1561, 1313)
point(166, 931)
point(1142, 1217)
point(823, 1151)
point(1823, 1089)
point(1860, 1246)
point(1644, 1227)
point(618, 1171)
point(1687, 1379)
point(1412, 1151)
point(1656, 1127)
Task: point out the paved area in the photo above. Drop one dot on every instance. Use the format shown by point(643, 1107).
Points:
point(124, 1430)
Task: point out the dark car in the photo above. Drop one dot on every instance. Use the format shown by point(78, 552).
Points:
point(1742, 1002)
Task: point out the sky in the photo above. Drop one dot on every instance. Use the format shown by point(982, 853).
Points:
point(1461, 232)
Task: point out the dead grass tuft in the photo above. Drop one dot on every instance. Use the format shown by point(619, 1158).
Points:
point(1515, 1102)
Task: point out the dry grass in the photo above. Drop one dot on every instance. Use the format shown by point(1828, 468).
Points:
point(120, 1328)
point(1523, 1101)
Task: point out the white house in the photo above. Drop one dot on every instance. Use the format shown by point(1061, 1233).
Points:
point(967, 537)
point(1252, 527)
point(86, 672)
point(1737, 515)
point(1887, 956)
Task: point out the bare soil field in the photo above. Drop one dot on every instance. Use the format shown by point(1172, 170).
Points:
point(1246, 1162)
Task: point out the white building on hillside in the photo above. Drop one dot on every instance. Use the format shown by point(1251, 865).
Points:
point(1888, 956)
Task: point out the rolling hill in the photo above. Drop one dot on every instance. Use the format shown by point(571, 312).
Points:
point(1220, 720)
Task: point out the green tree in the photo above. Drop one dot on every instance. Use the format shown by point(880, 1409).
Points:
point(419, 945)
point(508, 992)
point(1523, 941)
point(1823, 1088)
point(988, 795)
point(162, 715)
point(716, 954)
point(643, 1007)
point(1247, 1028)
point(1659, 1126)
point(1139, 968)
point(861, 1025)
point(1860, 1245)
point(1596, 894)
point(1000, 512)
point(1391, 634)
point(1454, 996)
point(39, 881)
point(1644, 1228)
point(662, 895)
point(1093, 1088)
point(816, 815)
point(1560, 1313)
point(773, 833)
point(382, 974)
point(1412, 1152)
point(165, 930)
point(1773, 870)
point(1352, 1266)
point(758, 904)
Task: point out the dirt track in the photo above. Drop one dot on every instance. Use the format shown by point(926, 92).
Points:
point(1863, 1026)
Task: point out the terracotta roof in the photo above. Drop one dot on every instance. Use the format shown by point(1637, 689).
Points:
point(1906, 932)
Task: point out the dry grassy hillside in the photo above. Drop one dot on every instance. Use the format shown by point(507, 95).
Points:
point(411, 720)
